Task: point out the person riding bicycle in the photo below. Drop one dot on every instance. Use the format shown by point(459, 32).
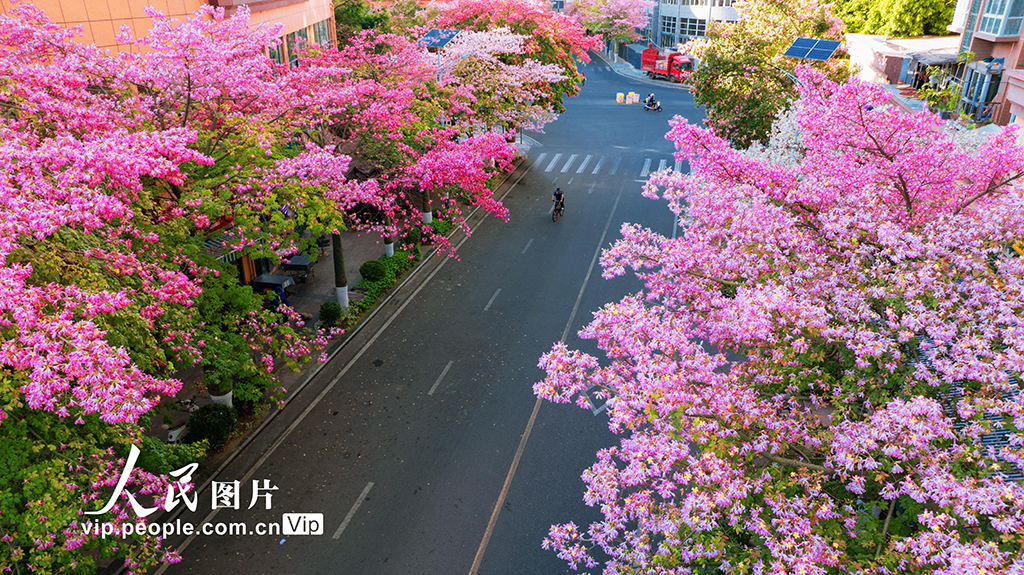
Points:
point(559, 198)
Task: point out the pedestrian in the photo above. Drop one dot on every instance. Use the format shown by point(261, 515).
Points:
point(584, 77)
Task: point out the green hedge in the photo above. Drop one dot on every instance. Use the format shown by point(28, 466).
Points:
point(393, 268)
point(441, 227)
point(213, 422)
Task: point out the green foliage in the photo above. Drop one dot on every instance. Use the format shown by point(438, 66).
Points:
point(351, 16)
point(373, 270)
point(214, 423)
point(441, 227)
point(250, 386)
point(896, 17)
point(48, 466)
point(162, 458)
point(330, 313)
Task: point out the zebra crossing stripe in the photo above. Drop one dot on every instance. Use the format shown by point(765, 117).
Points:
point(598, 166)
point(662, 165)
point(572, 159)
point(554, 161)
point(647, 168)
point(615, 166)
point(678, 167)
point(540, 158)
point(583, 166)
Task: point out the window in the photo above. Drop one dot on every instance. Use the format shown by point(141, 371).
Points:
point(1002, 17)
point(668, 25)
point(276, 53)
point(322, 32)
point(692, 27)
point(296, 41)
point(694, 2)
point(558, 4)
point(672, 2)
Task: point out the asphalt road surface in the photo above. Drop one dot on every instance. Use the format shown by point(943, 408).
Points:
point(408, 454)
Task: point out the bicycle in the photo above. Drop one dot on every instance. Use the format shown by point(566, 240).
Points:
point(558, 210)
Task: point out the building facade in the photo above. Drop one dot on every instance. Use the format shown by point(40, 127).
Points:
point(993, 83)
point(676, 21)
point(101, 20)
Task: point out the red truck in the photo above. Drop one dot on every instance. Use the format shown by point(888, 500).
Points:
point(667, 64)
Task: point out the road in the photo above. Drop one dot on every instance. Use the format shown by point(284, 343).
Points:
point(408, 453)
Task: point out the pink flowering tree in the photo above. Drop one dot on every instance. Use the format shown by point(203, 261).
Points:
point(741, 78)
point(555, 38)
point(114, 171)
point(612, 19)
point(396, 133)
point(493, 85)
point(822, 372)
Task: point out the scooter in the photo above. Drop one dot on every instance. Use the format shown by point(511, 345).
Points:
point(656, 107)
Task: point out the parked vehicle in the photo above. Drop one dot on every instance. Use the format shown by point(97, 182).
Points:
point(661, 63)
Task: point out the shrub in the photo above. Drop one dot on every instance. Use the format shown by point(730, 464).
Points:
point(412, 237)
point(162, 458)
point(373, 270)
point(214, 423)
point(441, 227)
point(330, 312)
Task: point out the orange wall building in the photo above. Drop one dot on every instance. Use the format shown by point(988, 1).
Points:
point(101, 20)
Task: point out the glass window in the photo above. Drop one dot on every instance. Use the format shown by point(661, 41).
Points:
point(692, 26)
point(668, 25)
point(558, 5)
point(1002, 17)
point(276, 53)
point(296, 42)
point(322, 32)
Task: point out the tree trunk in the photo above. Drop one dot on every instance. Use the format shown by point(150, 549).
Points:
point(389, 241)
point(340, 280)
point(428, 214)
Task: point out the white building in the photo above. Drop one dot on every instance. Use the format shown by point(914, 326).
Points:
point(679, 20)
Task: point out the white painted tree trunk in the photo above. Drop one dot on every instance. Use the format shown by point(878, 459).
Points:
point(428, 217)
point(389, 249)
point(342, 294)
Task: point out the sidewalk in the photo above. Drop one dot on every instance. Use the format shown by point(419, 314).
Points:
point(306, 298)
point(625, 69)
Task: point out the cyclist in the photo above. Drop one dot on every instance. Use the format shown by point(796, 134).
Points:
point(559, 198)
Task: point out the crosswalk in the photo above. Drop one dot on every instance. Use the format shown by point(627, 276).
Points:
point(607, 164)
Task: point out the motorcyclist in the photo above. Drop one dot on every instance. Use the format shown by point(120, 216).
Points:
point(649, 101)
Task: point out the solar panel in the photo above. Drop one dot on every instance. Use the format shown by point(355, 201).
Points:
point(438, 37)
point(812, 49)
